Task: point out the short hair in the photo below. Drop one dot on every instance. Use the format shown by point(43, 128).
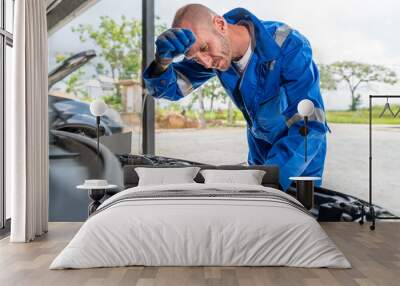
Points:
point(194, 13)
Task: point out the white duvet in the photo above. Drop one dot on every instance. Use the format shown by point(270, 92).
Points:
point(200, 231)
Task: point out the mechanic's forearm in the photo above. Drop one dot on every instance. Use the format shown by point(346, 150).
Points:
point(157, 69)
point(159, 66)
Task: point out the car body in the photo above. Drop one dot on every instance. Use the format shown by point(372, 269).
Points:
point(73, 115)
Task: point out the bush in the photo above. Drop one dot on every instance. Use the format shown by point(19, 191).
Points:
point(113, 101)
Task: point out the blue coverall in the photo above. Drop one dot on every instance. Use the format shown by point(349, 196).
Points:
point(279, 74)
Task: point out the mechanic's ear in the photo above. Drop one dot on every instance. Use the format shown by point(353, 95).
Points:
point(220, 24)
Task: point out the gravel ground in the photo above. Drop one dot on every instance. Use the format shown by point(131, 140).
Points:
point(346, 166)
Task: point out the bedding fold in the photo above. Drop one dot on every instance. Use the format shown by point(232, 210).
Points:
point(201, 225)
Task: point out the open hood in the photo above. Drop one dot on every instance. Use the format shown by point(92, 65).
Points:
point(61, 12)
point(70, 65)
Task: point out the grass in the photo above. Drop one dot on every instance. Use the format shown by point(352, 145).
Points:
point(209, 115)
point(361, 116)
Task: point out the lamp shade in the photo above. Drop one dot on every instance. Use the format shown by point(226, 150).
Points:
point(98, 107)
point(305, 107)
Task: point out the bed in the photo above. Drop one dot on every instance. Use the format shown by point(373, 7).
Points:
point(198, 224)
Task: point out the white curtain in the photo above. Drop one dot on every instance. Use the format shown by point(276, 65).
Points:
point(27, 124)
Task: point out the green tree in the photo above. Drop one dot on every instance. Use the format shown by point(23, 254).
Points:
point(73, 80)
point(327, 82)
point(198, 96)
point(355, 74)
point(119, 45)
point(211, 90)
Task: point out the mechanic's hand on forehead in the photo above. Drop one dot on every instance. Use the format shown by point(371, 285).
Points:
point(172, 43)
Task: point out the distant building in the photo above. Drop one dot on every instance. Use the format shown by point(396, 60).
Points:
point(131, 92)
point(93, 88)
point(98, 87)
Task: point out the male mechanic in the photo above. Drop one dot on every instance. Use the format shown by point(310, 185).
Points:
point(265, 67)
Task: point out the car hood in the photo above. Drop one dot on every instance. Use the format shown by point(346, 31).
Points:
point(70, 65)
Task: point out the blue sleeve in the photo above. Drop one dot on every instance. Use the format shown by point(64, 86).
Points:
point(177, 81)
point(299, 80)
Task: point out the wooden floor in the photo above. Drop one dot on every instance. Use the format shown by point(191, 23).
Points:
point(375, 257)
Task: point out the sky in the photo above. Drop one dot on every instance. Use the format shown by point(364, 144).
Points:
point(358, 30)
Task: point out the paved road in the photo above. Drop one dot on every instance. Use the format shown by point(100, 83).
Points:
point(346, 167)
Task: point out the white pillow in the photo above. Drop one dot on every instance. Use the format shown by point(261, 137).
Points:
point(248, 177)
point(163, 176)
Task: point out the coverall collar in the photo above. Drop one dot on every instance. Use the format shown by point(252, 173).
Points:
point(265, 45)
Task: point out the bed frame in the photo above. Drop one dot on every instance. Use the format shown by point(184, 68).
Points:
point(270, 179)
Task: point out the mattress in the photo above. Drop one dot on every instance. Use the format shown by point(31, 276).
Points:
point(201, 225)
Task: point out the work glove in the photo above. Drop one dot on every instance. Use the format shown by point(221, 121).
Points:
point(172, 43)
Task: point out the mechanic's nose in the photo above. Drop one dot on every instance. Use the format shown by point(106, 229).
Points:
point(205, 61)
